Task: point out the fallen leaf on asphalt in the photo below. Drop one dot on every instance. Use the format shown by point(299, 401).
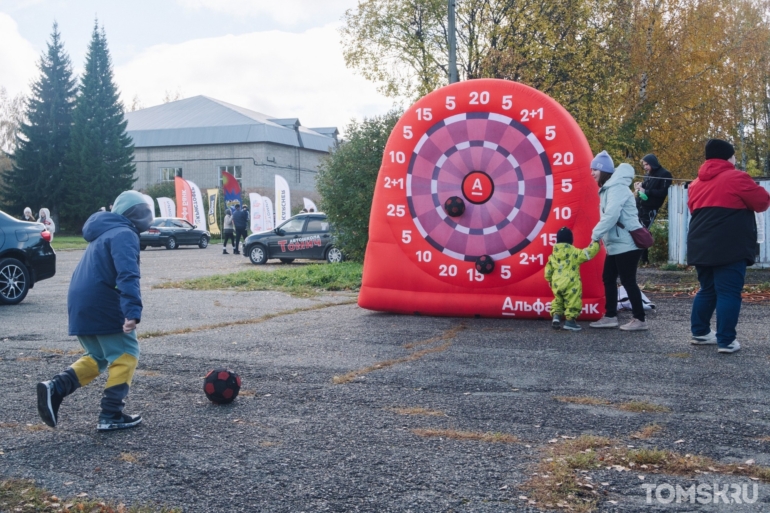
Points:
point(83, 494)
point(641, 477)
point(605, 484)
point(522, 497)
point(679, 442)
point(553, 440)
point(749, 462)
point(613, 502)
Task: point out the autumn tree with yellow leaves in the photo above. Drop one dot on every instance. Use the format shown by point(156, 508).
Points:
point(639, 76)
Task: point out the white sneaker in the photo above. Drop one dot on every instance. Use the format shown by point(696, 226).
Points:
point(635, 325)
point(605, 322)
point(708, 339)
point(733, 347)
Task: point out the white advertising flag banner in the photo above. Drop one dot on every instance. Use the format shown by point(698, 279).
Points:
point(309, 205)
point(256, 213)
point(199, 219)
point(167, 207)
point(269, 219)
point(150, 203)
point(282, 200)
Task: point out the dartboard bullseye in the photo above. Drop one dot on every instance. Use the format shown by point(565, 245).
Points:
point(476, 179)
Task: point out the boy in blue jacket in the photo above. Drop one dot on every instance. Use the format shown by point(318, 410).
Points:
point(105, 305)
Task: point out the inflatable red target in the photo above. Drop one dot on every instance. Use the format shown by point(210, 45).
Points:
point(476, 179)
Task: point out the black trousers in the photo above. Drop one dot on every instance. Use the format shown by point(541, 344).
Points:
point(624, 266)
point(646, 217)
point(228, 235)
point(239, 232)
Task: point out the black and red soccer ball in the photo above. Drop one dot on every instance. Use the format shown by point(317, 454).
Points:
point(454, 206)
point(221, 386)
point(485, 264)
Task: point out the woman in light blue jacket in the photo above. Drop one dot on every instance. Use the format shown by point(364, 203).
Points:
point(618, 217)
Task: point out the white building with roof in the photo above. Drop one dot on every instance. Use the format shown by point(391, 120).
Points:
point(198, 138)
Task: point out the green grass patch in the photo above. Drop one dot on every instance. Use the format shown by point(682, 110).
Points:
point(23, 495)
point(64, 242)
point(302, 281)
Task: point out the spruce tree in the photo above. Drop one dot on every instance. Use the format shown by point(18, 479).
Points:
point(99, 164)
point(37, 177)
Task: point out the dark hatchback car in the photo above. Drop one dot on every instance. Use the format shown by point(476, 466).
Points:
point(26, 257)
point(172, 232)
point(303, 236)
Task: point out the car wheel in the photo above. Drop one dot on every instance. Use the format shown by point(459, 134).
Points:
point(171, 243)
point(142, 246)
point(204, 242)
point(286, 260)
point(258, 254)
point(14, 281)
point(334, 255)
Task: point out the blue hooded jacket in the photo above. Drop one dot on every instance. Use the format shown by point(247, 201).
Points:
point(104, 290)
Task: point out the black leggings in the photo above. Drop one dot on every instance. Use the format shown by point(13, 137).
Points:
point(623, 265)
point(229, 236)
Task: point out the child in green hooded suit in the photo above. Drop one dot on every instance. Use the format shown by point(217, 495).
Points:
point(562, 272)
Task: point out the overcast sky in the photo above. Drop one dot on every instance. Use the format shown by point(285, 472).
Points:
point(279, 57)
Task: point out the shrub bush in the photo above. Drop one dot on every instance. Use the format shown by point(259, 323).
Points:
point(346, 180)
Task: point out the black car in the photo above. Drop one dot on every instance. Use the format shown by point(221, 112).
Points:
point(302, 236)
point(26, 257)
point(172, 232)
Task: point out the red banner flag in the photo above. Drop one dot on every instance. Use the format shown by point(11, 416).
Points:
point(184, 206)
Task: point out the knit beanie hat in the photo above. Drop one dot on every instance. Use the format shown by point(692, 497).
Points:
point(652, 160)
point(131, 205)
point(564, 235)
point(603, 162)
point(719, 149)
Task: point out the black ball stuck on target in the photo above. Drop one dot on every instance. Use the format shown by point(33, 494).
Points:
point(485, 264)
point(454, 206)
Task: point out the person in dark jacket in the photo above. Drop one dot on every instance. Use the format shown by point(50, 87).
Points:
point(241, 222)
point(651, 193)
point(104, 305)
point(721, 242)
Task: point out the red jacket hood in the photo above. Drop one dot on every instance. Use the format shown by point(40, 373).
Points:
point(712, 167)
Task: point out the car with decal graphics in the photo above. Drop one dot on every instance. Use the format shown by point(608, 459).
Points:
point(306, 236)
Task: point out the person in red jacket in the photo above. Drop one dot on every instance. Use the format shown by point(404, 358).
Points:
point(721, 242)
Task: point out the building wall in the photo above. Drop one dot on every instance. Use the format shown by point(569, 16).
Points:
point(200, 164)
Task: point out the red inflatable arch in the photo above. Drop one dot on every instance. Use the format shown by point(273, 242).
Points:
point(479, 176)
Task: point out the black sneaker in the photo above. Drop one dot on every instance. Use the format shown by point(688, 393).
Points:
point(120, 421)
point(556, 322)
point(224, 252)
point(236, 252)
point(48, 402)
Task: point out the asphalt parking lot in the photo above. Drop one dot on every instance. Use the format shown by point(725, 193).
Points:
point(297, 441)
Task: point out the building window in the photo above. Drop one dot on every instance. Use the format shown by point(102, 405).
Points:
point(233, 170)
point(167, 174)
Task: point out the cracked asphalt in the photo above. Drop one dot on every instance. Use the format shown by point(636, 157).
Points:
point(294, 441)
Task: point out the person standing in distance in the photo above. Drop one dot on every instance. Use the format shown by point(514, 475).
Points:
point(104, 305)
point(227, 232)
point(651, 193)
point(721, 243)
point(241, 222)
